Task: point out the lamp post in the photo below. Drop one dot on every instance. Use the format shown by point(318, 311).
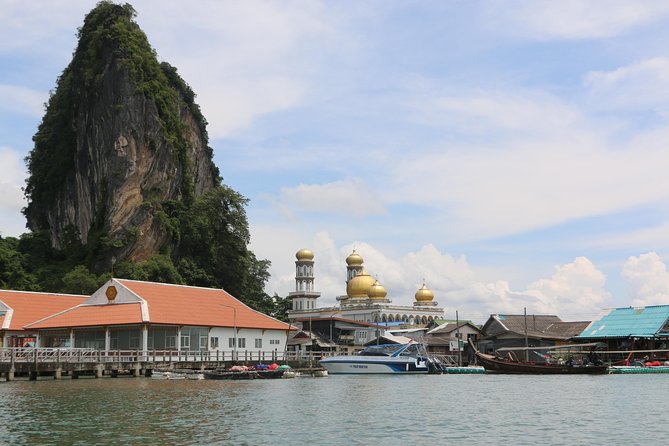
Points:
point(234, 322)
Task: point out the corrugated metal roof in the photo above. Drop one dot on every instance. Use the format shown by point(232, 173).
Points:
point(625, 322)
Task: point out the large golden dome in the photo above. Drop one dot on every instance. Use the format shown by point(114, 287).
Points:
point(354, 259)
point(424, 294)
point(377, 291)
point(357, 287)
point(304, 254)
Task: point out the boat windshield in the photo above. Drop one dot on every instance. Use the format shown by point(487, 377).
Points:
point(381, 350)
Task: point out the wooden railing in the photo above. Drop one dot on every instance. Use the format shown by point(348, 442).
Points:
point(89, 355)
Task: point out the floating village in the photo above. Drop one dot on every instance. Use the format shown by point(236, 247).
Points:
point(166, 331)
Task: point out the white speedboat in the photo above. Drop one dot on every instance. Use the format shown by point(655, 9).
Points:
point(408, 358)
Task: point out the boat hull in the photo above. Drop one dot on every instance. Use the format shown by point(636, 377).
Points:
point(338, 365)
point(495, 365)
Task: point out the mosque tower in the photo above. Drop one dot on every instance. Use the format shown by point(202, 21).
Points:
point(353, 266)
point(304, 297)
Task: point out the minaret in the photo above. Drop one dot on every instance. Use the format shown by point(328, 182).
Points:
point(353, 265)
point(304, 297)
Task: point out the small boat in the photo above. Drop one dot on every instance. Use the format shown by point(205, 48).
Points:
point(319, 373)
point(157, 374)
point(409, 358)
point(497, 364)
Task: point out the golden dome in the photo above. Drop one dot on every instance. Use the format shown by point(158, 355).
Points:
point(377, 291)
point(304, 254)
point(424, 294)
point(354, 259)
point(358, 286)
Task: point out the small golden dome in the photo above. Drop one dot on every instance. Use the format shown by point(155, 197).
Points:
point(358, 286)
point(377, 291)
point(424, 294)
point(354, 259)
point(304, 254)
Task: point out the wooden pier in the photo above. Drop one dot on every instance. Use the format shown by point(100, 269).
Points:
point(74, 362)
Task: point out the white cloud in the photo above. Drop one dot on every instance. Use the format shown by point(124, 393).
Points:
point(245, 59)
point(16, 99)
point(12, 201)
point(574, 19)
point(640, 85)
point(648, 279)
point(351, 196)
point(546, 164)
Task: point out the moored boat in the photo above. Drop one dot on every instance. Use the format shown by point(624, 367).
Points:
point(410, 358)
point(496, 364)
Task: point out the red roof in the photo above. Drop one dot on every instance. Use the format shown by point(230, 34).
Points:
point(167, 304)
point(186, 305)
point(94, 315)
point(32, 306)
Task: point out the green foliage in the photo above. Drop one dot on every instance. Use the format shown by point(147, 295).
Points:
point(158, 268)
point(80, 281)
point(281, 307)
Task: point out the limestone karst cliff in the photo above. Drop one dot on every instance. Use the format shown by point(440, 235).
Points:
point(121, 136)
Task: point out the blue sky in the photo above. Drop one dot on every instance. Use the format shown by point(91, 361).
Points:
point(511, 154)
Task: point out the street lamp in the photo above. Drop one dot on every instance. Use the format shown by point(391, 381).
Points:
point(234, 322)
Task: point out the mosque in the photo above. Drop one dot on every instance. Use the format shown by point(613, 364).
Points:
point(366, 300)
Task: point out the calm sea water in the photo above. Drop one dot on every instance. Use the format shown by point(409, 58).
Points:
point(339, 410)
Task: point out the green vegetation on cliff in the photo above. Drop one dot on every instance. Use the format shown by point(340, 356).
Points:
point(207, 234)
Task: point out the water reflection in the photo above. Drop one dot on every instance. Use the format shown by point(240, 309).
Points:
point(450, 409)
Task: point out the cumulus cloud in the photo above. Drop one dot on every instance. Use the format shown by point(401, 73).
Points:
point(648, 279)
point(351, 196)
point(574, 19)
point(574, 291)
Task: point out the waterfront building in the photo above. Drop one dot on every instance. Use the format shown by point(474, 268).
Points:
point(511, 330)
point(630, 328)
point(366, 302)
point(135, 315)
point(19, 308)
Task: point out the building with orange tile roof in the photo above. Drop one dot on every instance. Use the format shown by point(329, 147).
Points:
point(129, 314)
point(20, 308)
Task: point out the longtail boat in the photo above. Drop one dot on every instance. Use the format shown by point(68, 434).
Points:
point(497, 364)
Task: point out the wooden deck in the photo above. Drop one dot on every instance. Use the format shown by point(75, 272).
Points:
point(34, 362)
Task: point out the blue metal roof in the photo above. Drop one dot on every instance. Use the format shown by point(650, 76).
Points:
point(626, 322)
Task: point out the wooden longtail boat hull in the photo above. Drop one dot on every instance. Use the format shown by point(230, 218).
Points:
point(493, 364)
point(496, 365)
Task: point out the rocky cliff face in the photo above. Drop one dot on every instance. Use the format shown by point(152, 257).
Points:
point(121, 136)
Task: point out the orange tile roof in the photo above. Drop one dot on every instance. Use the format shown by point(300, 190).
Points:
point(186, 305)
point(94, 315)
point(32, 306)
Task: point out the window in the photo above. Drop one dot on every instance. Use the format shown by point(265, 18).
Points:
point(231, 342)
point(185, 342)
point(258, 343)
point(214, 342)
point(242, 342)
point(362, 335)
point(274, 342)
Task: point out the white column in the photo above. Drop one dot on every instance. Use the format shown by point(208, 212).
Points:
point(71, 337)
point(178, 339)
point(145, 338)
point(107, 339)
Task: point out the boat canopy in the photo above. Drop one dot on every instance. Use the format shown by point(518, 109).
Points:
point(590, 345)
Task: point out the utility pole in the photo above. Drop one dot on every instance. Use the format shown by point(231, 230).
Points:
point(457, 335)
point(527, 346)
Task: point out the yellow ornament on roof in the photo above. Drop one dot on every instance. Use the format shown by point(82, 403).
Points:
point(304, 254)
point(424, 294)
point(354, 259)
point(377, 291)
point(358, 287)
